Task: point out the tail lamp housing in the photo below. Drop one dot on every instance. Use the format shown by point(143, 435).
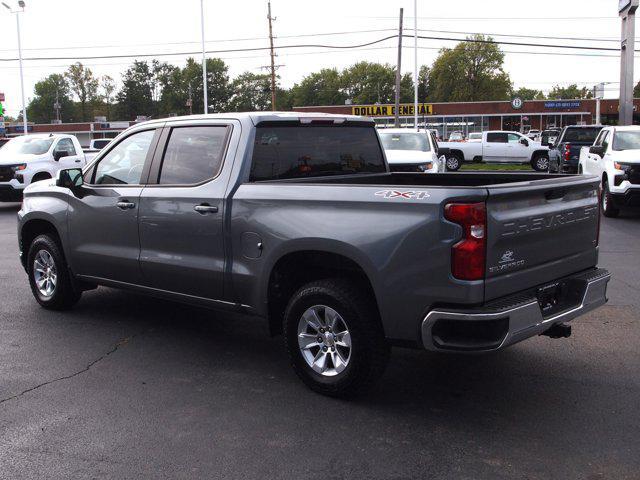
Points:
point(567, 152)
point(468, 256)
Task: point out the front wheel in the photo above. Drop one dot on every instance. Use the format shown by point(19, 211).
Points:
point(453, 163)
point(49, 277)
point(608, 207)
point(540, 163)
point(334, 338)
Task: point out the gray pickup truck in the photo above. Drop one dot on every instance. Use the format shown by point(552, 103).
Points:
point(296, 218)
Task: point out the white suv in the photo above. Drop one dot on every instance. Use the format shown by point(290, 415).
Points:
point(30, 158)
point(615, 158)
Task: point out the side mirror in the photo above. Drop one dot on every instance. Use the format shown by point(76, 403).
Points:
point(69, 178)
point(58, 154)
point(524, 142)
point(597, 150)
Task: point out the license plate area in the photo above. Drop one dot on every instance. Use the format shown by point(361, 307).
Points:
point(560, 296)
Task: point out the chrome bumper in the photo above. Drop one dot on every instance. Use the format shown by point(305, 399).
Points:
point(521, 312)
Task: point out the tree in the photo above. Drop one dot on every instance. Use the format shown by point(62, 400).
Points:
point(572, 91)
point(251, 92)
point(636, 90)
point(219, 89)
point(367, 82)
point(135, 97)
point(319, 88)
point(471, 71)
point(83, 85)
point(424, 90)
point(41, 107)
point(528, 94)
point(108, 87)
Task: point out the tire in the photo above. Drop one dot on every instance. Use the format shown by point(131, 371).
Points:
point(40, 176)
point(606, 202)
point(355, 369)
point(540, 163)
point(45, 261)
point(453, 162)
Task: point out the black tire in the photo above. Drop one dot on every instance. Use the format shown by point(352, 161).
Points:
point(40, 176)
point(369, 350)
point(453, 162)
point(540, 163)
point(606, 202)
point(64, 295)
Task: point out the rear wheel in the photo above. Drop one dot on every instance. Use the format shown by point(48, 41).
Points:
point(608, 207)
point(540, 163)
point(334, 338)
point(49, 276)
point(453, 162)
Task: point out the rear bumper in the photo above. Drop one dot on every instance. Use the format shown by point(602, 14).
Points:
point(10, 194)
point(512, 319)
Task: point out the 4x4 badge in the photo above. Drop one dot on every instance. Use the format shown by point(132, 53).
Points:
point(417, 194)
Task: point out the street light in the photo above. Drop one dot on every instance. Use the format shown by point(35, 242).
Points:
point(24, 103)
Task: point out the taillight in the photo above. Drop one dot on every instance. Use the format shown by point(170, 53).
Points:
point(567, 152)
point(468, 255)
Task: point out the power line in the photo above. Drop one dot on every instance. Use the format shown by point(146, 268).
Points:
point(373, 42)
point(609, 39)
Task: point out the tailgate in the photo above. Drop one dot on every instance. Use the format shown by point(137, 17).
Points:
point(540, 231)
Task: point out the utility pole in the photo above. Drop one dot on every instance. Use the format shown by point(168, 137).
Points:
point(204, 60)
point(415, 64)
point(627, 11)
point(56, 106)
point(190, 100)
point(398, 73)
point(273, 63)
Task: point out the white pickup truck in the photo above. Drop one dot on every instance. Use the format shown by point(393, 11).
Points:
point(614, 157)
point(31, 158)
point(498, 146)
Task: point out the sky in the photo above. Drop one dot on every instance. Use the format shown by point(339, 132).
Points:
point(72, 28)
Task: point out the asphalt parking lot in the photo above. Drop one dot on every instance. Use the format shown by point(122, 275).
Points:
point(125, 386)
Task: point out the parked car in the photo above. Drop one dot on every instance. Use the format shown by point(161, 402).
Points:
point(498, 146)
point(548, 137)
point(99, 143)
point(534, 135)
point(30, 158)
point(296, 218)
point(564, 154)
point(614, 158)
point(475, 137)
point(456, 137)
point(410, 151)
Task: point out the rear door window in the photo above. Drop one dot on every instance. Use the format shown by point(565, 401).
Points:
point(496, 137)
point(193, 155)
point(282, 152)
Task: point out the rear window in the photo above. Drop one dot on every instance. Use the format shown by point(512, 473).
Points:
point(282, 152)
point(587, 135)
point(497, 137)
point(405, 141)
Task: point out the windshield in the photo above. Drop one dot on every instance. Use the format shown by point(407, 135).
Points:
point(626, 141)
point(405, 141)
point(27, 145)
point(585, 135)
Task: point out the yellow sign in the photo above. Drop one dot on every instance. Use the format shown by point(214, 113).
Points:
point(406, 109)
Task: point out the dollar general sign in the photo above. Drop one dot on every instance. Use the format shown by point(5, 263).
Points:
point(406, 109)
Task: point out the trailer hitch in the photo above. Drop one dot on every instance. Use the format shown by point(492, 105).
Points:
point(558, 330)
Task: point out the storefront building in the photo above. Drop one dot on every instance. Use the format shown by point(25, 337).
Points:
point(468, 117)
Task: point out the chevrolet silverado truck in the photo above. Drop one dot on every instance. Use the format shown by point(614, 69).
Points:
point(31, 158)
point(564, 153)
point(498, 147)
point(297, 219)
point(614, 157)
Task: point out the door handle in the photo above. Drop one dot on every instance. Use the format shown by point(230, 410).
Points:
point(125, 205)
point(205, 208)
point(77, 160)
